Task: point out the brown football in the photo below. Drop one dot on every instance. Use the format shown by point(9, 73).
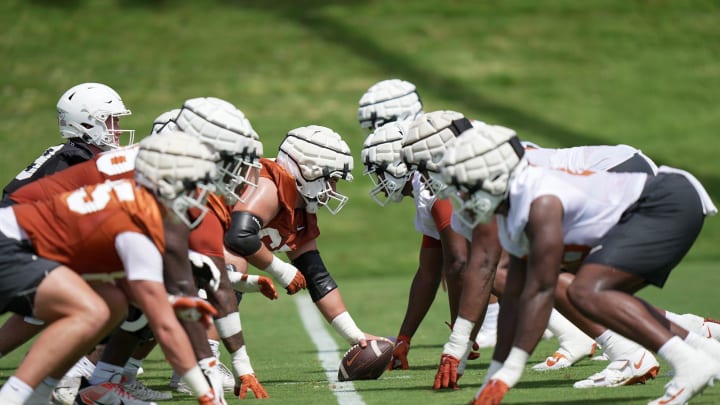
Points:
point(368, 363)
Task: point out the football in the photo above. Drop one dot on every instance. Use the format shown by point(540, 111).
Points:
point(368, 363)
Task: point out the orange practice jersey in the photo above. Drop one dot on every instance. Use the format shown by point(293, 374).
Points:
point(207, 237)
point(78, 228)
point(291, 227)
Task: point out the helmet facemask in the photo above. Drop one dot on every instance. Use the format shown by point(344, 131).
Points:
point(387, 187)
point(238, 176)
point(191, 205)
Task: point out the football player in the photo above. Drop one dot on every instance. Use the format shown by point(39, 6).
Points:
point(542, 211)
point(92, 232)
point(442, 251)
point(89, 117)
point(280, 216)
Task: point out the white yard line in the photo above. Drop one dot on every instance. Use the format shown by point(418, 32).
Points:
point(327, 351)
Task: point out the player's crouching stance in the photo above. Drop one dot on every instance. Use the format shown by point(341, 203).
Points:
point(48, 247)
point(280, 216)
point(637, 228)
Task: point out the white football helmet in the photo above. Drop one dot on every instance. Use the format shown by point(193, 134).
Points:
point(84, 110)
point(387, 101)
point(317, 157)
point(425, 142)
point(179, 169)
point(165, 122)
point(381, 156)
point(477, 167)
point(223, 126)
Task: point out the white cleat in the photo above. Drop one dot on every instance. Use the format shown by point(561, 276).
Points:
point(640, 368)
point(486, 338)
point(65, 392)
point(564, 358)
point(682, 388)
point(228, 381)
point(711, 329)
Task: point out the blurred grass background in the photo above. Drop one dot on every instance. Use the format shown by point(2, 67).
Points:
point(560, 72)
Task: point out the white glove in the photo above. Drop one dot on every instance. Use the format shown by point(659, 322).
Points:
point(203, 263)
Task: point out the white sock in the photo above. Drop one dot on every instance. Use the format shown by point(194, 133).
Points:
point(688, 322)
point(512, 368)
point(105, 372)
point(616, 346)
point(678, 353)
point(15, 392)
point(571, 338)
point(214, 347)
point(83, 368)
point(491, 317)
point(709, 346)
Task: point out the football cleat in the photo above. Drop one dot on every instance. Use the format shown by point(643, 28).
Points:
point(563, 358)
point(228, 379)
point(685, 386)
point(108, 394)
point(143, 392)
point(641, 367)
point(66, 390)
point(711, 329)
point(486, 338)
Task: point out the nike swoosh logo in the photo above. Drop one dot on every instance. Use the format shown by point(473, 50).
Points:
point(552, 361)
point(300, 228)
point(352, 359)
point(709, 333)
point(640, 363)
point(672, 398)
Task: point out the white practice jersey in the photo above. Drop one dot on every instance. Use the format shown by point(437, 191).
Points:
point(424, 200)
point(579, 159)
point(592, 204)
point(582, 159)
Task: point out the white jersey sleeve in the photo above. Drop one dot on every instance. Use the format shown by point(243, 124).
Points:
point(583, 159)
point(141, 259)
point(592, 204)
point(424, 200)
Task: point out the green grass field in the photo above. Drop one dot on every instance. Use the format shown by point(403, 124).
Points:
point(560, 72)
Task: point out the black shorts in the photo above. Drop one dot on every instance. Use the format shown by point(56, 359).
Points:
point(637, 163)
point(656, 232)
point(21, 272)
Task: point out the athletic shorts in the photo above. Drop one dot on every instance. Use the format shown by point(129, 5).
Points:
point(656, 232)
point(21, 271)
point(637, 163)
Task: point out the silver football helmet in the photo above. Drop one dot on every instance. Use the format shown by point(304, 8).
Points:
point(425, 142)
point(165, 122)
point(387, 101)
point(381, 156)
point(477, 167)
point(317, 157)
point(179, 169)
point(90, 112)
point(224, 127)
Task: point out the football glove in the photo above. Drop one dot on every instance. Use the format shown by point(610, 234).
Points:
point(447, 375)
point(249, 381)
point(211, 399)
point(400, 352)
point(251, 283)
point(287, 275)
point(193, 309)
point(205, 269)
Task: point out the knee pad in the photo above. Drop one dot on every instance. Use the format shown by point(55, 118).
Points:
point(319, 281)
point(243, 236)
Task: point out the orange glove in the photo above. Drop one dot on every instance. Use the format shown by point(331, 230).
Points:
point(193, 309)
point(399, 358)
point(265, 285)
point(249, 381)
point(298, 283)
point(447, 375)
point(210, 399)
point(492, 393)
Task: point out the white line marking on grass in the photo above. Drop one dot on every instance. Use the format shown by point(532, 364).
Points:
point(327, 351)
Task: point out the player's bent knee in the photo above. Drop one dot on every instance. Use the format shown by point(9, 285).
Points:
point(319, 281)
